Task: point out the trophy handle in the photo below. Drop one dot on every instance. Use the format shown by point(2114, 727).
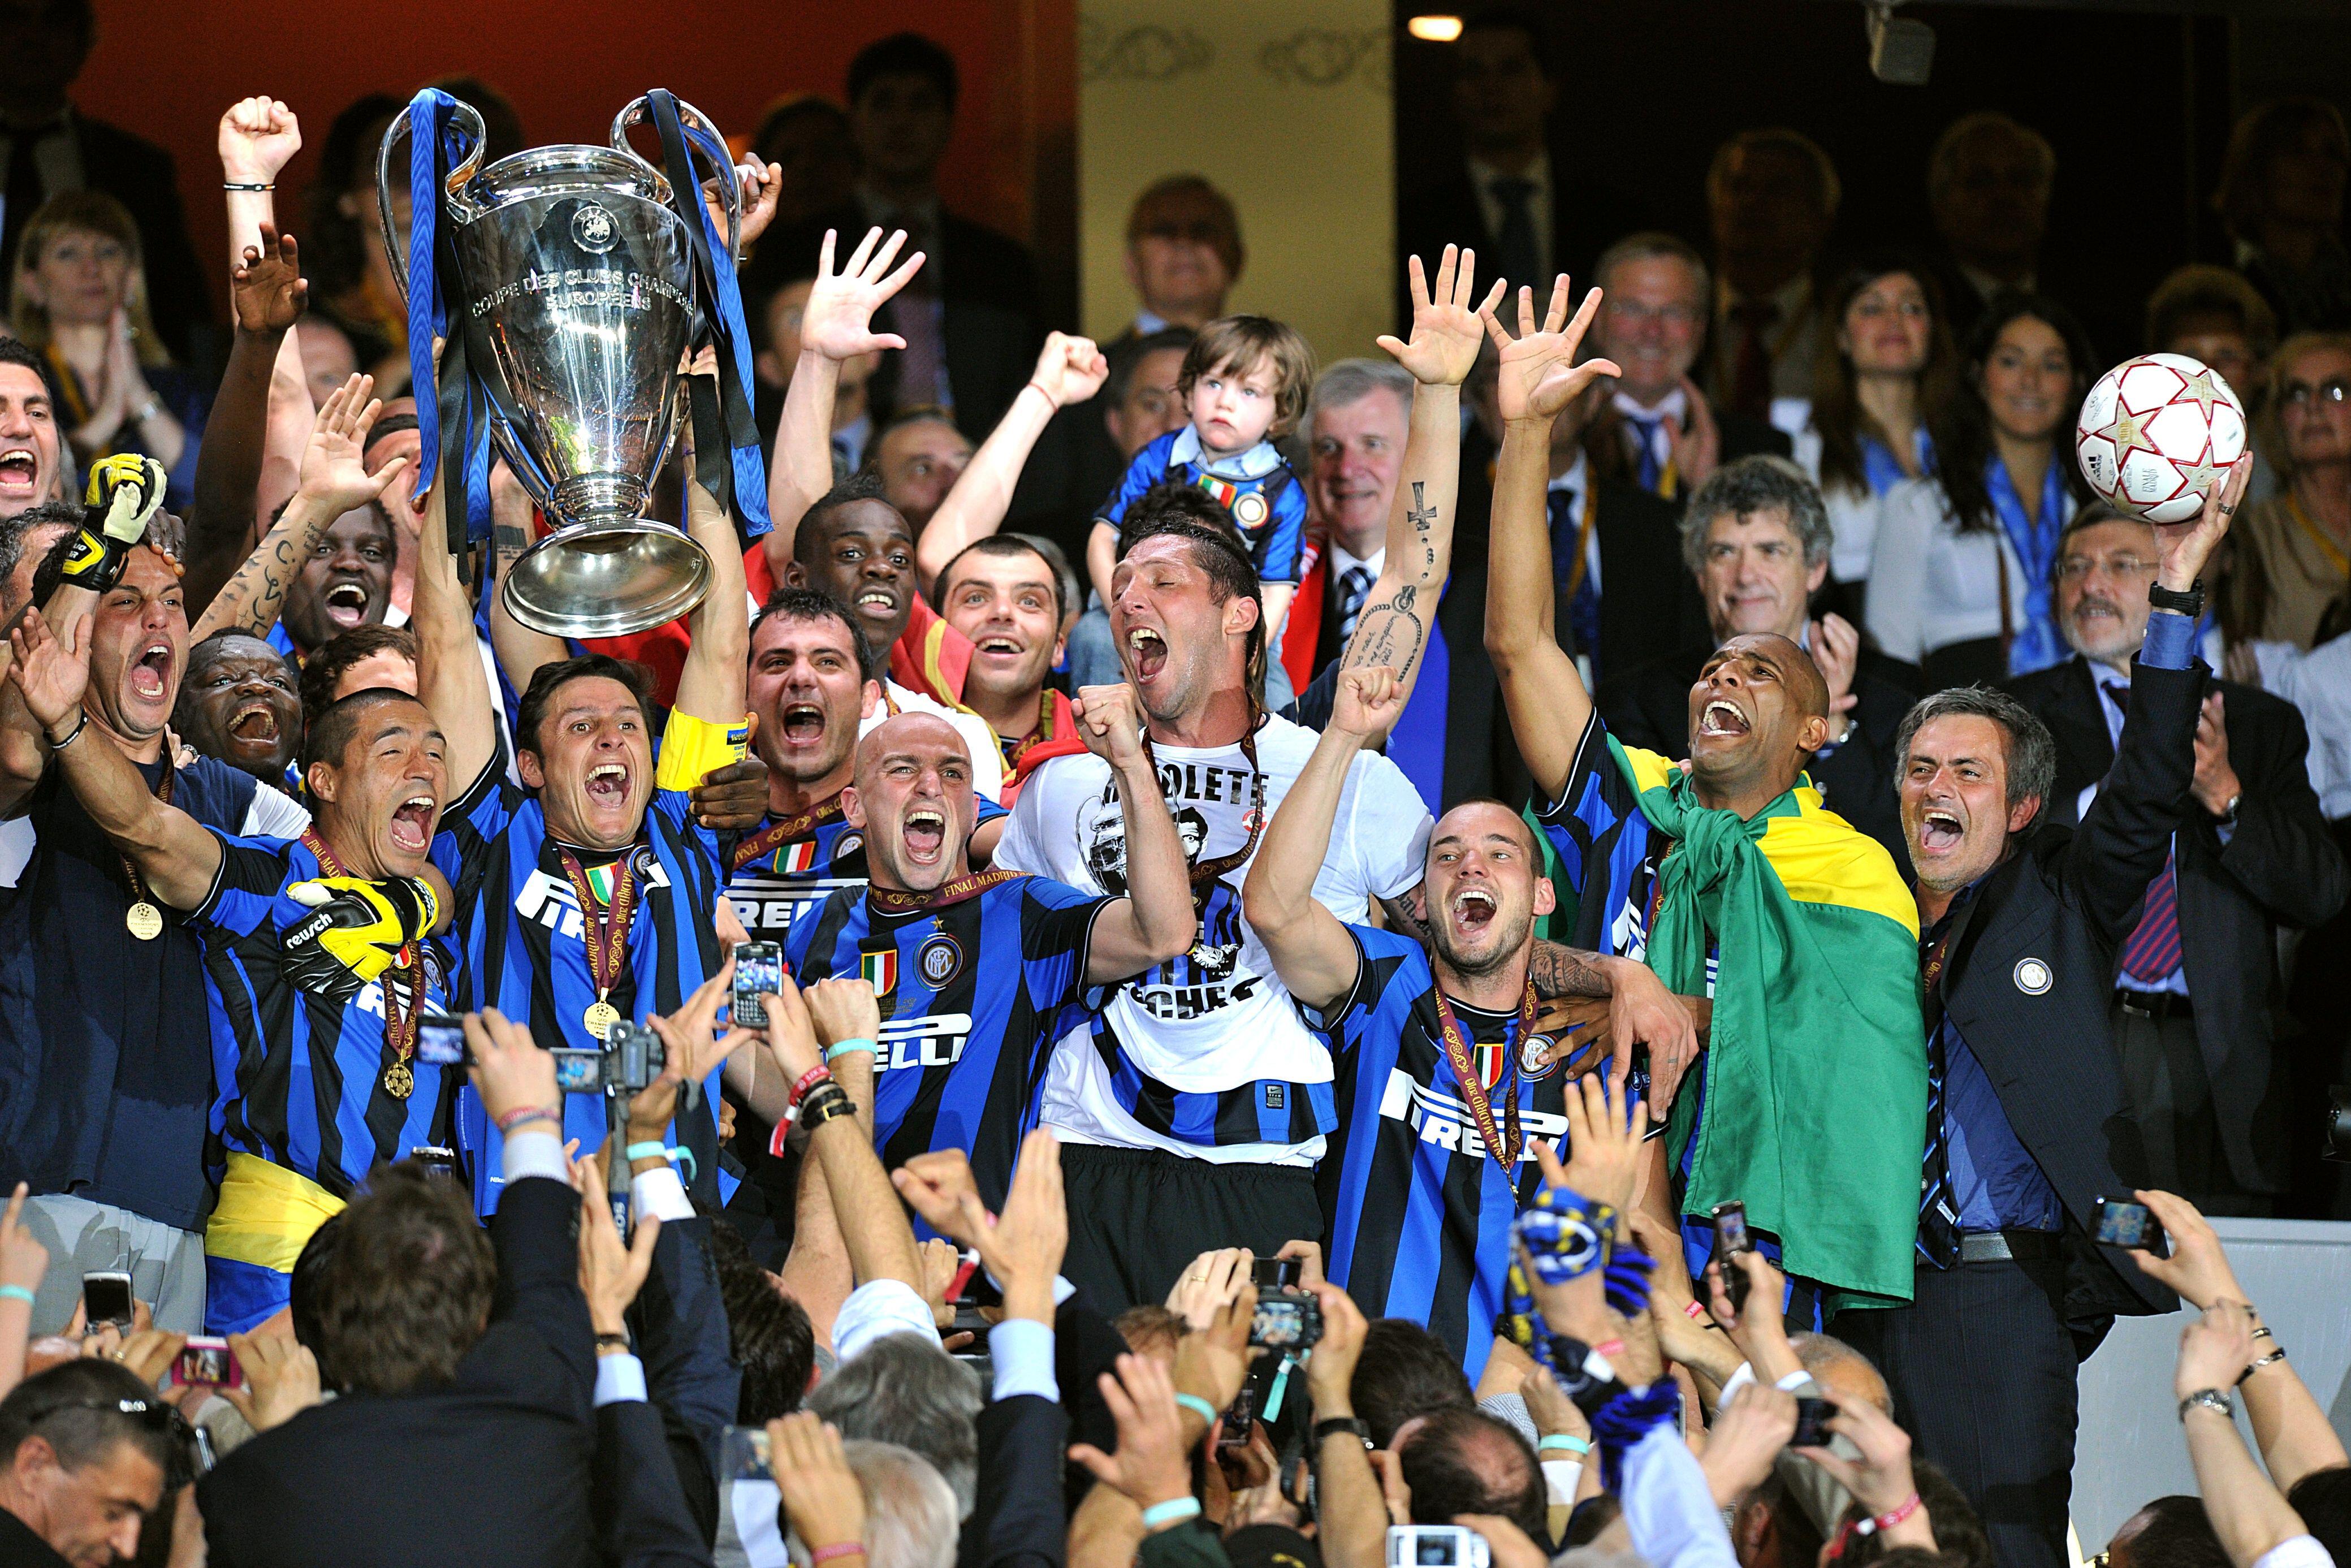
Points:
point(470, 120)
point(633, 113)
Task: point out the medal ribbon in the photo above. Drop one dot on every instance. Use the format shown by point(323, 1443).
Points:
point(399, 1016)
point(775, 836)
point(1208, 872)
point(604, 927)
point(1473, 1089)
point(163, 792)
point(894, 901)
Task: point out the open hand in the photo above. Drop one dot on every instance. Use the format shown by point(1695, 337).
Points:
point(837, 321)
point(1604, 1148)
point(1022, 1250)
point(2215, 783)
point(1748, 1434)
point(611, 1271)
point(1697, 447)
point(333, 474)
point(1642, 1011)
point(267, 289)
point(2186, 547)
point(1151, 1465)
point(1538, 377)
point(1836, 649)
point(692, 1049)
point(822, 1500)
point(1445, 333)
point(51, 674)
point(1207, 1282)
point(791, 1036)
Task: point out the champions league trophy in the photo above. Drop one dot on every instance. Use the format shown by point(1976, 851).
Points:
point(575, 294)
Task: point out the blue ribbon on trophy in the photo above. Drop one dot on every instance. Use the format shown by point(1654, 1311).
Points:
point(451, 410)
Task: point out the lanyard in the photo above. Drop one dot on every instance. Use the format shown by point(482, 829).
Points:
point(1584, 535)
point(143, 919)
point(775, 835)
point(1472, 1084)
point(1205, 873)
point(898, 901)
point(2329, 547)
point(604, 927)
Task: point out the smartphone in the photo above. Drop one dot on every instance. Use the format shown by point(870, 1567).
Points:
point(1277, 1273)
point(441, 1041)
point(1730, 1240)
point(758, 968)
point(2122, 1223)
point(578, 1071)
point(1437, 1546)
point(207, 1360)
point(1240, 1420)
point(1811, 1424)
point(1286, 1322)
point(105, 1299)
point(744, 1455)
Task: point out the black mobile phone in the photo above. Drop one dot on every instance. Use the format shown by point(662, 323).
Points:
point(1811, 1424)
point(2122, 1223)
point(441, 1041)
point(1277, 1273)
point(1730, 1240)
point(758, 968)
point(105, 1299)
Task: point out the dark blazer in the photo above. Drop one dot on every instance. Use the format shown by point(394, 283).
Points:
point(2279, 867)
point(680, 1322)
point(493, 1466)
point(2030, 982)
point(1649, 606)
point(992, 327)
point(643, 1520)
point(140, 174)
point(1586, 218)
point(1018, 1520)
point(1603, 442)
point(1648, 706)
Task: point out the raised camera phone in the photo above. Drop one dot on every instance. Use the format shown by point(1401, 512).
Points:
point(1437, 1546)
point(1286, 1322)
point(743, 1456)
point(1811, 1424)
point(209, 1362)
point(1730, 1240)
point(2122, 1223)
point(441, 1041)
point(758, 969)
point(105, 1299)
point(632, 1058)
point(1277, 1273)
point(1239, 1420)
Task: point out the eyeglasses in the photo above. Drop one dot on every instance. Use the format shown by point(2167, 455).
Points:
point(1641, 315)
point(2075, 567)
point(2300, 394)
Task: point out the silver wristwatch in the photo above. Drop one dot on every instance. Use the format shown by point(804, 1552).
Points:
point(2211, 1399)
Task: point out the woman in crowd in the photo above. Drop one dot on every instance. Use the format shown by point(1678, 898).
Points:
point(2294, 552)
point(1960, 579)
point(80, 299)
point(1876, 393)
point(2281, 196)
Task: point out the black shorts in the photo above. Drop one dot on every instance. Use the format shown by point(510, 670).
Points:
point(1139, 1217)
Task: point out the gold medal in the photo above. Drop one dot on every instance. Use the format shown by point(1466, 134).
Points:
point(599, 1017)
point(399, 1082)
point(143, 920)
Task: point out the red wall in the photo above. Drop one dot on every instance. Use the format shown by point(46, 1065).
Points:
point(168, 70)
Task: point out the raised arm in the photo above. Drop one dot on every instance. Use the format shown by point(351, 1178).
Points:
point(1068, 371)
point(177, 856)
point(334, 481)
point(2249, 1513)
point(1311, 951)
point(1155, 921)
point(449, 676)
point(835, 327)
point(266, 296)
point(1538, 377)
point(711, 685)
point(1393, 630)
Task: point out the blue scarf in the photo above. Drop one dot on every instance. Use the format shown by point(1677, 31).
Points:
point(1880, 468)
point(2035, 645)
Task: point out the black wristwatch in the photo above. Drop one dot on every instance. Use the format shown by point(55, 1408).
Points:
point(2191, 604)
point(1354, 1424)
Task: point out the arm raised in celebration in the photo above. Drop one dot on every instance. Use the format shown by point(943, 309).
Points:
point(1155, 921)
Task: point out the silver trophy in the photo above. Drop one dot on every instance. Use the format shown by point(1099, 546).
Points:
point(576, 294)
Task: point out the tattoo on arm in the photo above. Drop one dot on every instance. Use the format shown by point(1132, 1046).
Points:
point(1568, 972)
point(1408, 915)
point(1391, 634)
point(512, 541)
point(1421, 514)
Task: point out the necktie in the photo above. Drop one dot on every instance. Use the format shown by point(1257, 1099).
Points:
point(1652, 467)
point(1353, 583)
point(1570, 580)
point(1751, 376)
point(2151, 953)
point(1939, 1208)
point(23, 190)
point(1518, 251)
point(915, 316)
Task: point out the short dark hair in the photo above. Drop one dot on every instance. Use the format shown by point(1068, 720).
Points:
point(790, 604)
point(781, 114)
point(15, 530)
point(1174, 510)
point(1518, 19)
point(1406, 1370)
point(2208, 290)
point(1441, 1465)
point(343, 652)
point(75, 1408)
point(1123, 359)
point(810, 536)
point(904, 55)
point(2173, 1532)
point(306, 1293)
point(2322, 1497)
point(326, 739)
point(1800, 1539)
point(409, 1284)
point(2091, 515)
point(1761, 482)
point(1004, 545)
point(769, 1334)
point(1149, 1325)
point(16, 351)
point(545, 681)
point(2030, 751)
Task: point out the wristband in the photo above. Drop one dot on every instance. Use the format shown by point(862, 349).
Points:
point(1201, 1408)
point(248, 184)
point(841, 1048)
point(1696, 1313)
point(15, 1293)
point(2189, 604)
point(656, 1150)
point(2210, 1399)
point(838, 1549)
point(815, 1075)
point(2276, 1355)
point(1611, 1348)
point(692, 748)
point(97, 561)
point(1175, 1511)
point(829, 1103)
point(80, 724)
point(1563, 1442)
point(1354, 1426)
point(2263, 1332)
point(1046, 395)
point(521, 1114)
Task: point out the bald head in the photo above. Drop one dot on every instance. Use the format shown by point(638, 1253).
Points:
point(1806, 684)
point(911, 794)
point(905, 733)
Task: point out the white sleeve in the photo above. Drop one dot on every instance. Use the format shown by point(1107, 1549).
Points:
point(1018, 849)
point(986, 755)
point(2296, 1552)
point(273, 814)
point(1387, 827)
point(1668, 1508)
point(1898, 568)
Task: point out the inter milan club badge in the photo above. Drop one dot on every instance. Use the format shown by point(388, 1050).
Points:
point(846, 845)
point(939, 960)
point(1249, 510)
point(1534, 1057)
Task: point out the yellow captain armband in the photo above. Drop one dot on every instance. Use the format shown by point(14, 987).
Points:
point(692, 748)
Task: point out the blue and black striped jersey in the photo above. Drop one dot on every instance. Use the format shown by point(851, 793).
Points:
point(779, 884)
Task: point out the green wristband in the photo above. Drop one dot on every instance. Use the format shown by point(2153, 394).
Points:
point(1557, 1441)
point(841, 1048)
point(1198, 1407)
point(15, 1293)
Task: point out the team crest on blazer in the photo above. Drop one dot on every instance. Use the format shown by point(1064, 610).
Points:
point(2032, 977)
point(939, 960)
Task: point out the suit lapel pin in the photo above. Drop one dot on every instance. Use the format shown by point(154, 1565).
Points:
point(2032, 977)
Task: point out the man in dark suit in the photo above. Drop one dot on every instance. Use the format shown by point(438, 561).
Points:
point(970, 317)
point(1657, 429)
point(51, 149)
point(2028, 1119)
point(1507, 199)
point(1756, 538)
point(2198, 1004)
